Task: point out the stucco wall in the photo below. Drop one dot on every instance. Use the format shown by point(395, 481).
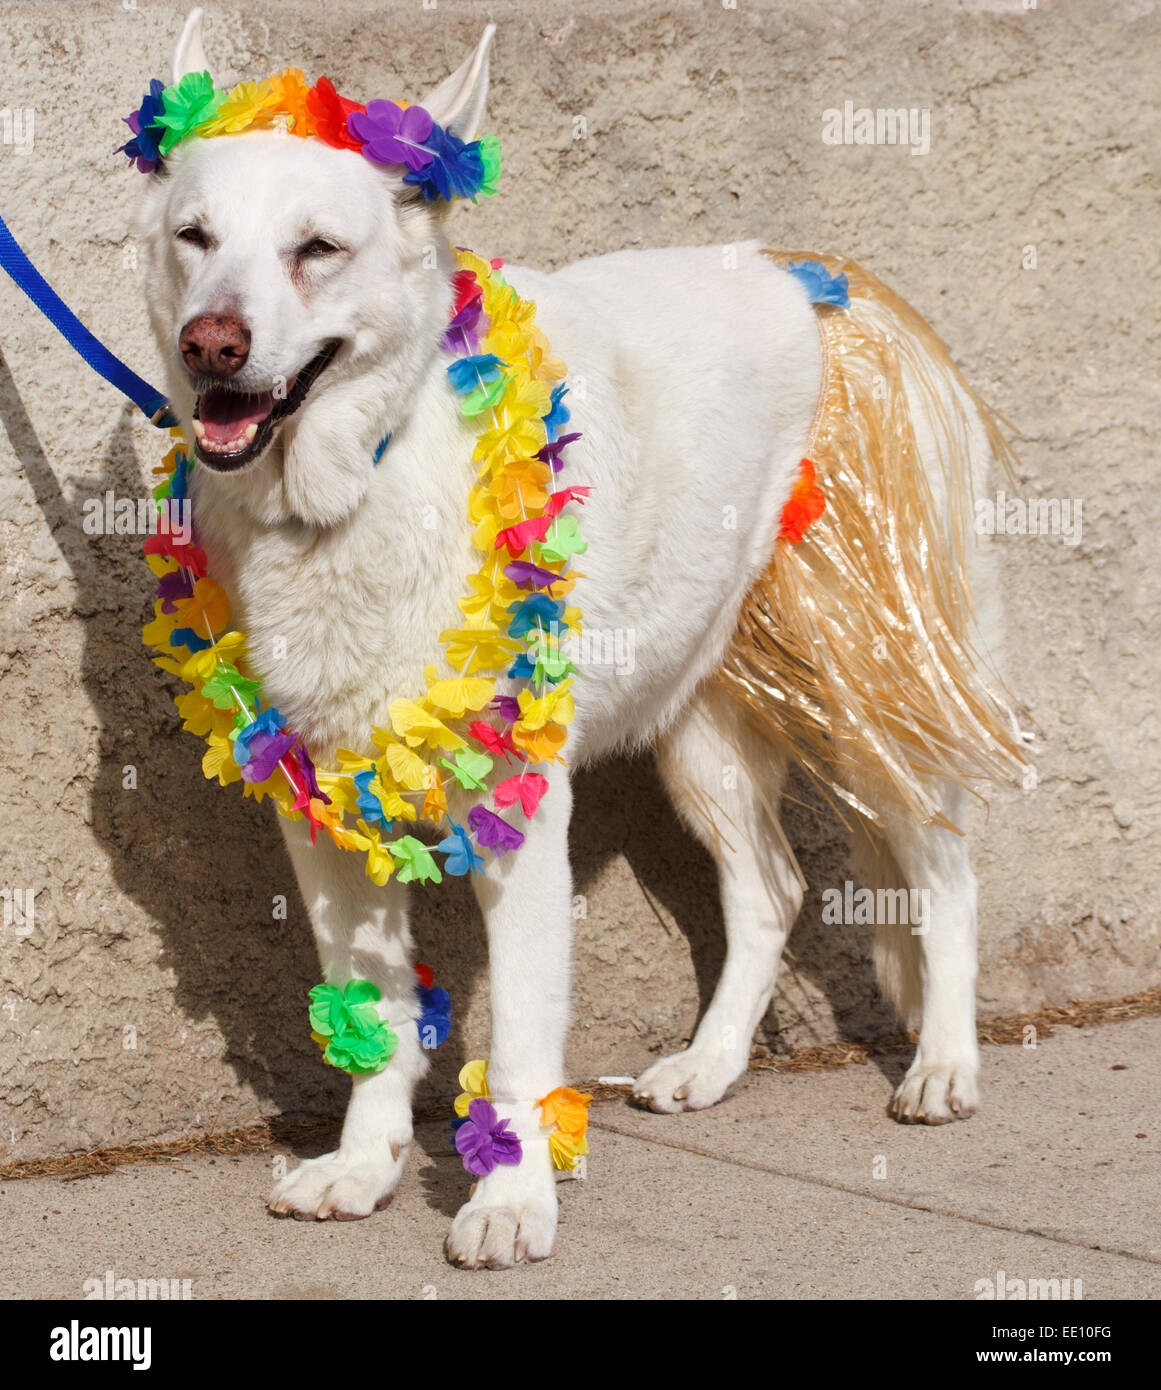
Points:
point(623, 125)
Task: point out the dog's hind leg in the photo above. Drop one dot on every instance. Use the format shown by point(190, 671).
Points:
point(927, 962)
point(361, 932)
point(727, 784)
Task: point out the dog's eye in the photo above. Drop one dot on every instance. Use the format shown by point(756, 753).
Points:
point(318, 246)
point(194, 235)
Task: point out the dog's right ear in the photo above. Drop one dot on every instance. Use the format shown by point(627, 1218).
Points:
point(458, 102)
point(189, 55)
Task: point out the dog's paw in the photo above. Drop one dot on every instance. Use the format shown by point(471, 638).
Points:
point(935, 1093)
point(689, 1080)
point(510, 1217)
point(337, 1188)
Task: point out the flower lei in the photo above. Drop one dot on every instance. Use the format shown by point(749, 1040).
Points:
point(483, 1139)
point(514, 619)
point(438, 163)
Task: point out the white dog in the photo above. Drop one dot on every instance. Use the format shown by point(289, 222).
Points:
point(702, 381)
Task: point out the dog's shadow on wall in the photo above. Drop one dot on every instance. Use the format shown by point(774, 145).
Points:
point(209, 868)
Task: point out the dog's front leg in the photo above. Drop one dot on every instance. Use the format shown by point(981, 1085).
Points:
point(361, 932)
point(526, 899)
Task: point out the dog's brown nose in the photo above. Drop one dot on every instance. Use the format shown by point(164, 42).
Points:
point(215, 344)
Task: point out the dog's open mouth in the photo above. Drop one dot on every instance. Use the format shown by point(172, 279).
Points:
point(233, 427)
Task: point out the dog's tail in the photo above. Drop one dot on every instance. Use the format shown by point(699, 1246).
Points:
point(855, 652)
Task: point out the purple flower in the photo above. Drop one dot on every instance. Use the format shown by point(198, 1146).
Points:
point(461, 331)
point(507, 707)
point(483, 1140)
point(551, 453)
point(525, 575)
point(266, 752)
point(171, 587)
point(493, 831)
point(391, 135)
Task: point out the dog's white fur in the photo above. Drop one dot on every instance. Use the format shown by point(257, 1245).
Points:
point(694, 385)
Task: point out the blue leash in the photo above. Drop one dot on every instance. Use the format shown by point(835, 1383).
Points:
point(146, 398)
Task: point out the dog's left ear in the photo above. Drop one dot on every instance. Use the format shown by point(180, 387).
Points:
point(189, 55)
point(457, 103)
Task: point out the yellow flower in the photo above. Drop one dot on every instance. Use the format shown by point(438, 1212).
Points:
point(219, 761)
point(403, 767)
point(418, 727)
point(460, 694)
point(475, 648)
point(247, 104)
point(474, 1080)
point(380, 864)
point(537, 710)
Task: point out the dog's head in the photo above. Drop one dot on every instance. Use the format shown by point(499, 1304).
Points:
point(297, 293)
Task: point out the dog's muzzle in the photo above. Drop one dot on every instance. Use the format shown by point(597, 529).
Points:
point(233, 427)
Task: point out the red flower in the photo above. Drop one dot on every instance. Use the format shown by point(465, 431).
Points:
point(329, 113)
point(189, 556)
point(467, 288)
point(489, 737)
point(807, 503)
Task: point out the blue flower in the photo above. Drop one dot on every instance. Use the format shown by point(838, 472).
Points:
point(369, 804)
point(522, 668)
point(187, 637)
point(434, 1016)
point(821, 286)
point(143, 148)
point(456, 169)
point(533, 614)
point(461, 853)
point(469, 372)
point(558, 413)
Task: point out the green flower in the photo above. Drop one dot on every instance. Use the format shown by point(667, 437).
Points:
point(414, 857)
point(227, 686)
point(346, 1025)
point(469, 768)
point(490, 158)
point(562, 540)
point(188, 105)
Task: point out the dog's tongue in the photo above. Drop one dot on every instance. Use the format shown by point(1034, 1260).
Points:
point(226, 414)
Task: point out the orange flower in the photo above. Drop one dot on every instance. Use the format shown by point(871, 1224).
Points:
point(807, 503)
point(568, 1111)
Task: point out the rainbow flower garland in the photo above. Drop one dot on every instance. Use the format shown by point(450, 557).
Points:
point(438, 163)
point(459, 731)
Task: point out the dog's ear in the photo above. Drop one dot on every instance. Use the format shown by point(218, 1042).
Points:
point(189, 55)
point(457, 103)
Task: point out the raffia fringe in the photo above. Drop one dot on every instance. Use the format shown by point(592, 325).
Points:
point(853, 651)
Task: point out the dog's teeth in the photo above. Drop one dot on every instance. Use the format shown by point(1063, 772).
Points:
point(199, 429)
point(251, 432)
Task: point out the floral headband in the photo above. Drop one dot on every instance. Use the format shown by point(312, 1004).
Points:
point(385, 132)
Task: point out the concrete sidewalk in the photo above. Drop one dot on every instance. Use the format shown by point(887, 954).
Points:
point(796, 1187)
